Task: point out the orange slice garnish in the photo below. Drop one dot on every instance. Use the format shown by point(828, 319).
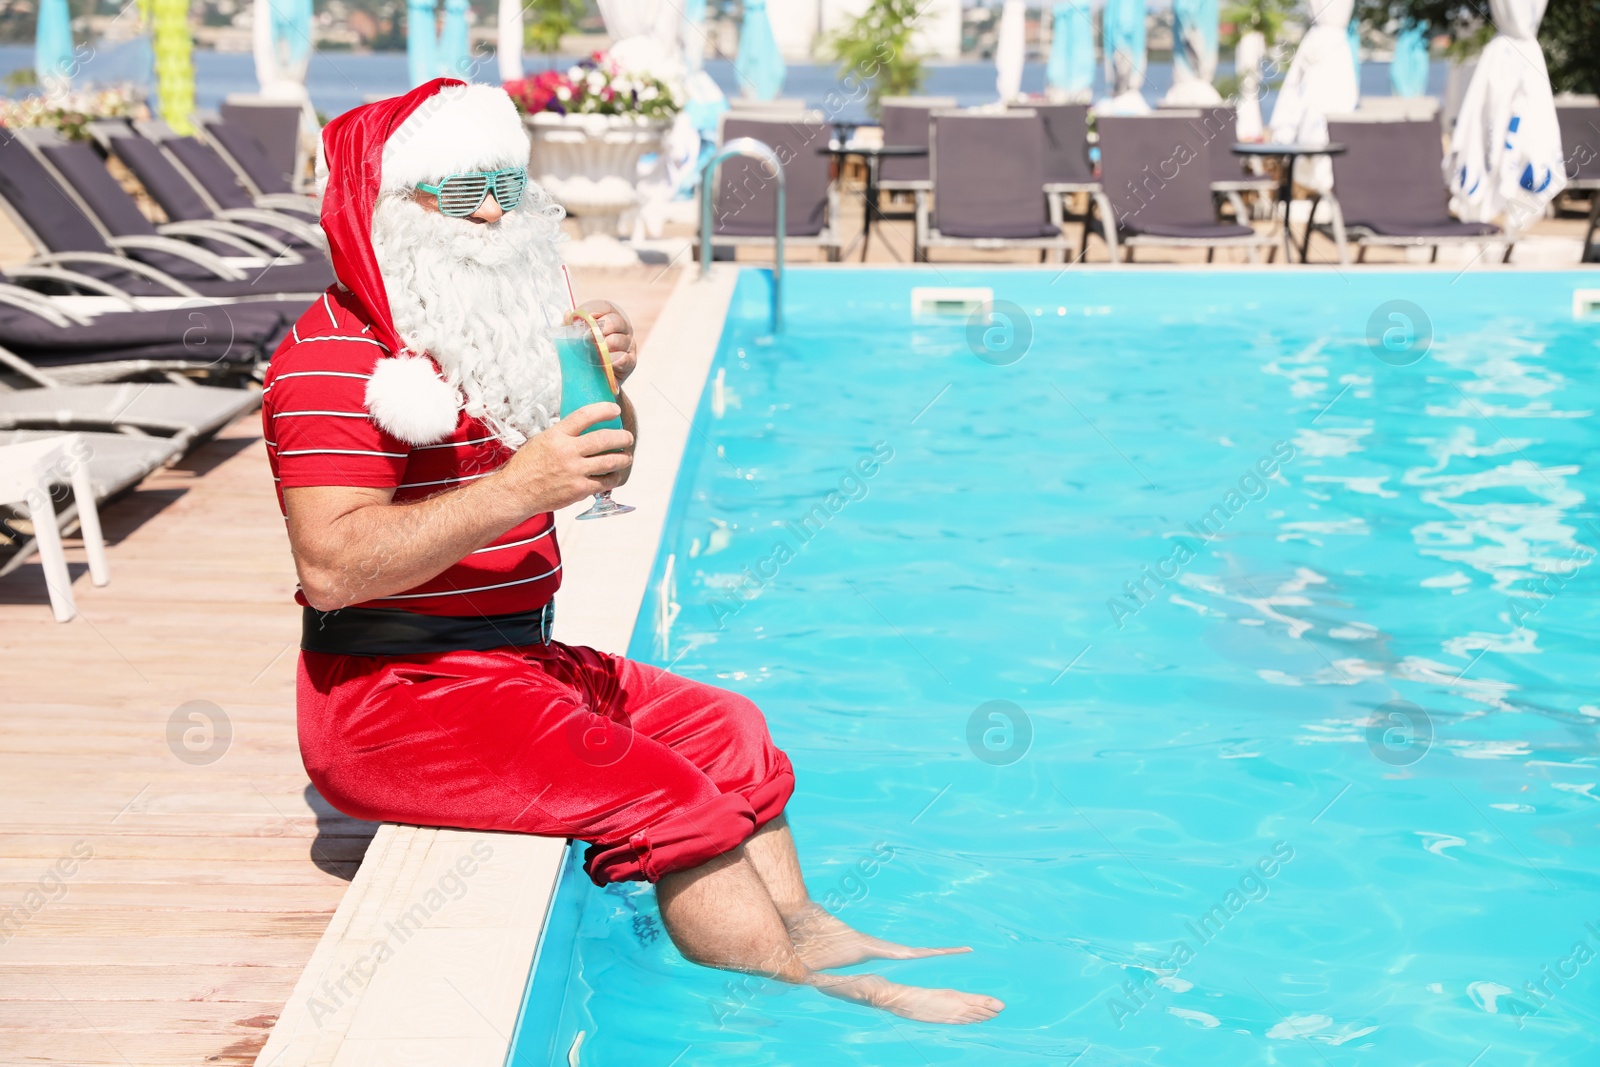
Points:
point(599, 342)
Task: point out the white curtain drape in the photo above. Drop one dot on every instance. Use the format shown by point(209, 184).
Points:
point(1505, 154)
point(1321, 82)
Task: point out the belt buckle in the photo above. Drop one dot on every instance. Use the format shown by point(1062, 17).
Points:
point(547, 622)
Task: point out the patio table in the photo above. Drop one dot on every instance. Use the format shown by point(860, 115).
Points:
point(1286, 154)
point(870, 155)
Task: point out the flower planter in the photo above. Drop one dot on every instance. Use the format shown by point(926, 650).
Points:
point(590, 165)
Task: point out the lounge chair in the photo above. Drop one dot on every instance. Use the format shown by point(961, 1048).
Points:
point(188, 412)
point(29, 473)
point(184, 200)
point(1218, 129)
point(1389, 189)
point(1155, 178)
point(117, 462)
point(906, 121)
point(1580, 143)
point(744, 209)
point(988, 184)
point(239, 146)
point(1067, 167)
point(64, 228)
point(274, 127)
point(221, 342)
point(222, 181)
point(78, 169)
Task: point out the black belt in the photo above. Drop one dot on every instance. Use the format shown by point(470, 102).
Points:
point(385, 632)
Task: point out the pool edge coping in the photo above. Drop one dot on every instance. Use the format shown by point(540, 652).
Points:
point(383, 981)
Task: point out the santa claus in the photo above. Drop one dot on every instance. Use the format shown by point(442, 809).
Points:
point(412, 426)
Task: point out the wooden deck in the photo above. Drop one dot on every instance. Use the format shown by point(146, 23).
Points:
point(153, 909)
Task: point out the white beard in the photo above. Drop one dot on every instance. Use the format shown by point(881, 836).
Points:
point(480, 299)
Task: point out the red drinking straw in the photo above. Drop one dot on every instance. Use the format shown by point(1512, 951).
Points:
point(566, 274)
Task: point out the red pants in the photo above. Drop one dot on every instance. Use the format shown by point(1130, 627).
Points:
point(658, 773)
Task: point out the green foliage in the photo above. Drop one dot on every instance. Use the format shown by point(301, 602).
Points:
point(548, 21)
point(1569, 34)
point(1265, 17)
point(874, 49)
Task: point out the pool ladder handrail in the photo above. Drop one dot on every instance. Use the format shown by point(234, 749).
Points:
point(753, 149)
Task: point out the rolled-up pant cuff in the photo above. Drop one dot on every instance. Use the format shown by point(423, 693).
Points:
point(678, 842)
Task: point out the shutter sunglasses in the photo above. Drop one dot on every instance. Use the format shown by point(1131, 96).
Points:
point(460, 195)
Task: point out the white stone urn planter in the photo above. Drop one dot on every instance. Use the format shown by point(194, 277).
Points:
point(590, 165)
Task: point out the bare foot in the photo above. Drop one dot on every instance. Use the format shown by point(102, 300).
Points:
point(910, 1002)
point(823, 941)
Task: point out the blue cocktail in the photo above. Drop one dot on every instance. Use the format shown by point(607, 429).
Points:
point(587, 378)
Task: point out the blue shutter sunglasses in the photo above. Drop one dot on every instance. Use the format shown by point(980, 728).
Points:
point(460, 195)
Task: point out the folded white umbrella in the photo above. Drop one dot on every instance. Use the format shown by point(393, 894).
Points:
point(1321, 82)
point(1010, 50)
point(1505, 155)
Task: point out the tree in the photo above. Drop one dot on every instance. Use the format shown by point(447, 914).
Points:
point(875, 48)
point(1265, 17)
point(1569, 34)
point(550, 21)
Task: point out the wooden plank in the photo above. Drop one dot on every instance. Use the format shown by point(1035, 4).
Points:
point(163, 982)
point(131, 1050)
point(181, 939)
point(182, 870)
point(240, 849)
point(63, 1015)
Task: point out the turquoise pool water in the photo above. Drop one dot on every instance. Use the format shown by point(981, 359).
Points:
point(1288, 608)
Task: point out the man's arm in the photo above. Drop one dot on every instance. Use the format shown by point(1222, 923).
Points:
point(354, 544)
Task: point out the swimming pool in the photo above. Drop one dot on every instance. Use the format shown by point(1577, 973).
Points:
point(1212, 651)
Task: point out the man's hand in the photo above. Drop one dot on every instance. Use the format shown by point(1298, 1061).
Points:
point(618, 333)
point(354, 544)
point(563, 464)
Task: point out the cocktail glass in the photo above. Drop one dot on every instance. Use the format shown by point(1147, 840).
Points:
point(587, 378)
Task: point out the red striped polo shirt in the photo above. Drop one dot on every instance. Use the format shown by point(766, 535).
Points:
point(318, 432)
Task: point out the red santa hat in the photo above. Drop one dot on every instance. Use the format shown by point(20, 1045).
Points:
point(439, 128)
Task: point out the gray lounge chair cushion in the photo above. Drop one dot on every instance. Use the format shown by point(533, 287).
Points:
point(1157, 171)
point(219, 333)
point(48, 211)
point(1217, 231)
point(158, 407)
point(1439, 228)
point(63, 227)
point(275, 130)
point(988, 177)
point(1066, 143)
point(1390, 180)
point(1580, 140)
point(907, 125)
point(211, 171)
point(256, 161)
point(179, 199)
point(747, 197)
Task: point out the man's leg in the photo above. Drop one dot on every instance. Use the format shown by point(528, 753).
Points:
point(822, 940)
point(720, 914)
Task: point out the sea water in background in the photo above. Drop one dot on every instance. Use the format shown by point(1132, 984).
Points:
point(1213, 652)
point(339, 81)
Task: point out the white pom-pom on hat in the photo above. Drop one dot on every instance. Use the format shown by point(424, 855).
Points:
point(407, 399)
